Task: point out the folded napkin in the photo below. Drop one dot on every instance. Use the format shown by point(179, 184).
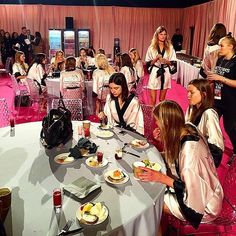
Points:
point(81, 187)
point(83, 143)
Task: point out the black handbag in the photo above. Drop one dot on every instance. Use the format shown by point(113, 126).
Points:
point(56, 126)
point(22, 101)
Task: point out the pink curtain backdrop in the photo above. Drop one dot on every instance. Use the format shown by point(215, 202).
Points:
point(134, 26)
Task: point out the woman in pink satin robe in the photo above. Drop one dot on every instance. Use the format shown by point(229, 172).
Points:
point(194, 190)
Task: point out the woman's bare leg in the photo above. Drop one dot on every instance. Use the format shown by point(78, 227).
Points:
point(162, 96)
point(153, 95)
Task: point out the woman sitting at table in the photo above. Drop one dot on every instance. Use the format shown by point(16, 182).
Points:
point(72, 80)
point(129, 71)
point(194, 190)
point(101, 81)
point(37, 71)
point(201, 113)
point(57, 61)
point(122, 108)
point(83, 61)
point(20, 68)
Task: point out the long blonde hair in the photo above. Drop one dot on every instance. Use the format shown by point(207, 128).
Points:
point(22, 63)
point(102, 63)
point(155, 40)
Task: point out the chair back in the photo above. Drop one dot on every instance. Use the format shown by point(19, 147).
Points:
point(8, 64)
point(33, 89)
point(4, 113)
point(149, 121)
point(73, 105)
point(228, 212)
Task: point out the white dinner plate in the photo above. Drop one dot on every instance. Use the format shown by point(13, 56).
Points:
point(139, 144)
point(64, 159)
point(79, 215)
point(108, 174)
point(104, 134)
point(92, 162)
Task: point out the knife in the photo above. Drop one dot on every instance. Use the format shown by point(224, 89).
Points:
point(73, 231)
point(131, 153)
point(66, 227)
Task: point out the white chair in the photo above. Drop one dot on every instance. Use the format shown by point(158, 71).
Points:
point(36, 98)
point(4, 113)
point(73, 105)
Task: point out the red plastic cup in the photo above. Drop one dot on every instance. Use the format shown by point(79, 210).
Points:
point(12, 122)
point(86, 132)
point(57, 199)
point(99, 156)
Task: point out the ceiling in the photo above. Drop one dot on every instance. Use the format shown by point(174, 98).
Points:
point(129, 3)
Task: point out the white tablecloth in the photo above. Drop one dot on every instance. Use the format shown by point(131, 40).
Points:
point(185, 73)
point(53, 88)
point(30, 171)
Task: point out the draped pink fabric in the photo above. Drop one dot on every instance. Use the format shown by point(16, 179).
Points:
point(134, 26)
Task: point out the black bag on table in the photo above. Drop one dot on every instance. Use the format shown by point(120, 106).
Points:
point(57, 126)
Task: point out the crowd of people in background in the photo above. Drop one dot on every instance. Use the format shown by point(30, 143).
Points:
point(190, 145)
point(10, 43)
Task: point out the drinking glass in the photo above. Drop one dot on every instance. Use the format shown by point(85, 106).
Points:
point(57, 199)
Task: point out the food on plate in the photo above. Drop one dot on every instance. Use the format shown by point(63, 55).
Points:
point(152, 165)
point(138, 143)
point(92, 213)
point(64, 159)
point(116, 176)
point(105, 126)
point(93, 162)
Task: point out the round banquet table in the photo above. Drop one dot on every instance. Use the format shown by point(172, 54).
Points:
point(30, 171)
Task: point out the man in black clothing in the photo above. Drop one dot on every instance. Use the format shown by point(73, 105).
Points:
point(177, 40)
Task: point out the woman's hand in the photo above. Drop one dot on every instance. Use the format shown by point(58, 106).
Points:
point(147, 174)
point(164, 61)
point(214, 77)
point(156, 133)
point(101, 115)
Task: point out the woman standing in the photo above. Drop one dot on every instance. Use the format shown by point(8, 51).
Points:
point(137, 62)
point(20, 68)
point(194, 190)
point(158, 59)
point(122, 108)
point(225, 87)
point(201, 113)
point(101, 81)
point(129, 71)
point(72, 80)
point(37, 43)
point(211, 51)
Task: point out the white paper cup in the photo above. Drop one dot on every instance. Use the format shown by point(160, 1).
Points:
point(136, 168)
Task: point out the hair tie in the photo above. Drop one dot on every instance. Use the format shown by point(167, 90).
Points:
point(229, 34)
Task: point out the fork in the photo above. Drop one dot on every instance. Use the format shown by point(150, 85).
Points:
point(66, 227)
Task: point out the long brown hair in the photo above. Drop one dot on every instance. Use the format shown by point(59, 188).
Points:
point(217, 32)
point(155, 40)
point(170, 117)
point(207, 99)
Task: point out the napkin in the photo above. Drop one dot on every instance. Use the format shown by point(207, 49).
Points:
point(81, 187)
point(83, 143)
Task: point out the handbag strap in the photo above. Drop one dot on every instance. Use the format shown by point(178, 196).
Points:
point(61, 102)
